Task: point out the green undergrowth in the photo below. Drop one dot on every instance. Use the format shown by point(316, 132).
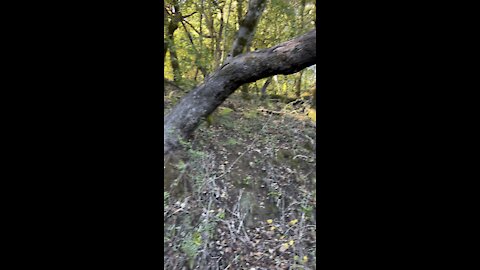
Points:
point(243, 191)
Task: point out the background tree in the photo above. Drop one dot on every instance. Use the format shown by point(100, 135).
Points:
point(246, 31)
point(207, 31)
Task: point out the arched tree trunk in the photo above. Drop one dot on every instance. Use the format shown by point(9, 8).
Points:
point(286, 58)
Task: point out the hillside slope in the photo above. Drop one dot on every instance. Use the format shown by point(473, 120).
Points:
point(242, 194)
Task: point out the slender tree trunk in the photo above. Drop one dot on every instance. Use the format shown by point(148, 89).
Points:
point(165, 41)
point(298, 85)
point(209, 22)
point(286, 58)
point(264, 88)
point(218, 48)
point(200, 52)
point(246, 31)
point(248, 25)
point(302, 14)
point(169, 43)
point(177, 75)
point(314, 102)
point(239, 12)
point(224, 56)
point(198, 61)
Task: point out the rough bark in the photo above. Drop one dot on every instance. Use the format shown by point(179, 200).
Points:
point(246, 31)
point(169, 42)
point(173, 20)
point(248, 25)
point(177, 75)
point(286, 58)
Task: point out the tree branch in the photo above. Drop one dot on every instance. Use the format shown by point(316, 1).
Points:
point(196, 31)
point(286, 58)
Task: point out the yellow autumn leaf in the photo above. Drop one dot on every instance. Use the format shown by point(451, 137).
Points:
point(306, 94)
point(305, 259)
point(269, 221)
point(312, 114)
point(272, 228)
point(293, 222)
point(291, 242)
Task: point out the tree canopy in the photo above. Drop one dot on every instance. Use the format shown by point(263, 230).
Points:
point(199, 35)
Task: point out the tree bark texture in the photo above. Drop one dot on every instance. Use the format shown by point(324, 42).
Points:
point(286, 58)
point(173, 20)
point(246, 31)
point(248, 25)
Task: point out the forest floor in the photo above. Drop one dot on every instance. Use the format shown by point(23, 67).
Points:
point(242, 195)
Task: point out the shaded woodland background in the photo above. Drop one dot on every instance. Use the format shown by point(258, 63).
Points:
point(199, 36)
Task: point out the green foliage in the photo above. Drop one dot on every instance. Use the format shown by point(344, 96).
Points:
point(282, 20)
point(274, 194)
point(181, 166)
point(247, 180)
point(224, 111)
point(250, 114)
point(190, 246)
point(195, 155)
point(232, 141)
point(221, 215)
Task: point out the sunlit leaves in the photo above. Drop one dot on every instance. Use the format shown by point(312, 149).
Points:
point(279, 22)
point(312, 114)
